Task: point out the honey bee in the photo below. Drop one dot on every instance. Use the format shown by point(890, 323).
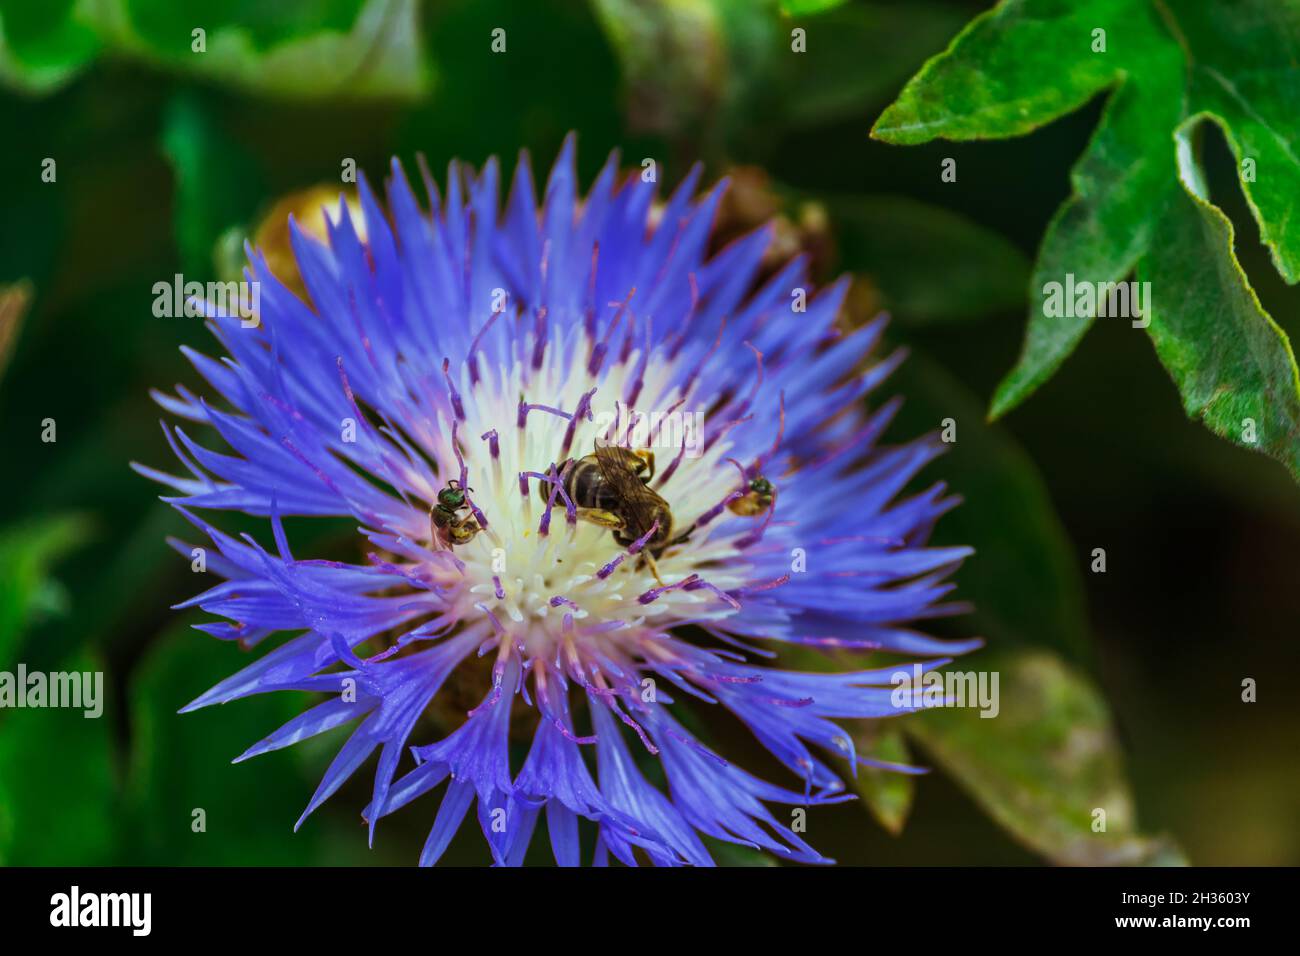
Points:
point(756, 500)
point(449, 527)
point(611, 488)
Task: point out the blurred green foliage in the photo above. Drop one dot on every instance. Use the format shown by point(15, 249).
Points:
point(181, 764)
point(1047, 766)
point(302, 49)
point(28, 593)
point(164, 154)
point(982, 272)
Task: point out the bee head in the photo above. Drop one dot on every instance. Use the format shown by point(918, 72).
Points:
point(452, 497)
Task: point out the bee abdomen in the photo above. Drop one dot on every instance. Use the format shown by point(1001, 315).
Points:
point(583, 484)
point(588, 488)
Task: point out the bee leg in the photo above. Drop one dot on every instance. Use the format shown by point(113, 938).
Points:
point(648, 461)
point(606, 519)
point(654, 567)
point(463, 531)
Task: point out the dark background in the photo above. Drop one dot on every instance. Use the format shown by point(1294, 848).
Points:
point(1202, 538)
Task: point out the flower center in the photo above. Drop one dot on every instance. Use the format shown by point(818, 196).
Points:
point(551, 578)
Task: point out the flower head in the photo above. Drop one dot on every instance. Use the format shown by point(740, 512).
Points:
point(600, 476)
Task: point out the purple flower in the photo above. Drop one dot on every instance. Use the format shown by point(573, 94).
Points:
point(446, 387)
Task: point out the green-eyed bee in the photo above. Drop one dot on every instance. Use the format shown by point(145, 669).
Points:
point(756, 500)
point(450, 528)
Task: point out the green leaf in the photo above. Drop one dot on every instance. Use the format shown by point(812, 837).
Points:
point(58, 788)
point(26, 592)
point(902, 245)
point(1100, 231)
point(181, 763)
point(1045, 765)
point(888, 794)
point(1014, 68)
point(1231, 362)
point(1164, 66)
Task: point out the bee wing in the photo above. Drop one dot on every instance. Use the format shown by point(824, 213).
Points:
point(639, 505)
